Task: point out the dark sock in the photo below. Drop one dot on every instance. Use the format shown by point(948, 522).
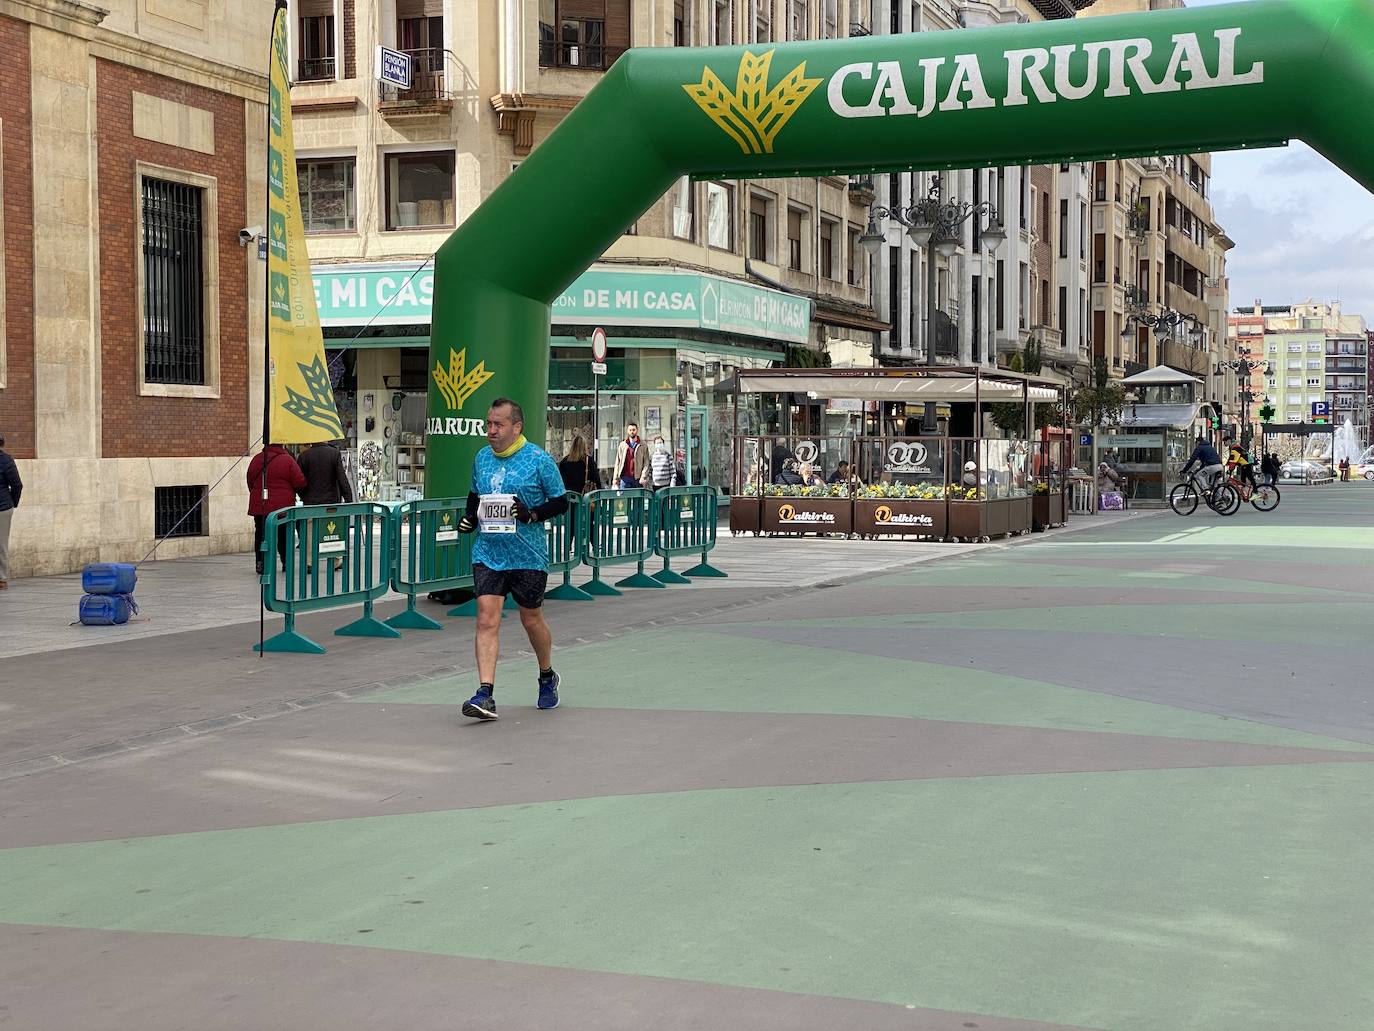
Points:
point(486, 688)
point(546, 672)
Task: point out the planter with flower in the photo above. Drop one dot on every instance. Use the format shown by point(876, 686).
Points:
point(794, 509)
point(972, 515)
point(905, 509)
point(1049, 505)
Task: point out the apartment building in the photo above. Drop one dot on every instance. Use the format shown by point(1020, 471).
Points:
point(132, 153)
point(387, 173)
point(1160, 290)
point(1313, 352)
point(987, 303)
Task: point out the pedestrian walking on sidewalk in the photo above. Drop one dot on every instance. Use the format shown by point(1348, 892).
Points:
point(270, 491)
point(326, 482)
point(515, 487)
point(662, 468)
point(631, 460)
point(11, 486)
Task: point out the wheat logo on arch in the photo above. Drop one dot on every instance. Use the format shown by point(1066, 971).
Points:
point(457, 383)
point(753, 114)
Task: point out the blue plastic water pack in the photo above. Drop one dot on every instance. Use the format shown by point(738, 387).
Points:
point(109, 578)
point(106, 609)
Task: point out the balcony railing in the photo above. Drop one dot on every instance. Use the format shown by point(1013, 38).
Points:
point(315, 69)
point(595, 57)
point(432, 74)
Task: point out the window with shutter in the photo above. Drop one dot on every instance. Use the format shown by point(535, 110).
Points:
point(315, 40)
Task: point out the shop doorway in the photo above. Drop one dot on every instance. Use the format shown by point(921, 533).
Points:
point(698, 456)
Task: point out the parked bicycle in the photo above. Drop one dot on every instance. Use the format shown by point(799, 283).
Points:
point(1221, 497)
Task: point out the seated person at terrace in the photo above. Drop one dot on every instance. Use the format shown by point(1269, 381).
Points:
point(788, 476)
point(809, 476)
point(841, 474)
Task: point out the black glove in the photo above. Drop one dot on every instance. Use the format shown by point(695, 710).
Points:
point(522, 512)
point(467, 524)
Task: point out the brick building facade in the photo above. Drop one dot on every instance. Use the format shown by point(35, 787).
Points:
point(130, 361)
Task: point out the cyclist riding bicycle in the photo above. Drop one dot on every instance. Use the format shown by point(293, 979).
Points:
point(1238, 462)
point(1209, 462)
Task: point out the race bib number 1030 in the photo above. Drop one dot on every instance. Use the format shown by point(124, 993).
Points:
point(496, 513)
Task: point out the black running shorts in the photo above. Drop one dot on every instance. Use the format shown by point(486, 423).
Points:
point(526, 586)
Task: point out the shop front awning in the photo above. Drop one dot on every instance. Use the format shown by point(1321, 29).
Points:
point(905, 384)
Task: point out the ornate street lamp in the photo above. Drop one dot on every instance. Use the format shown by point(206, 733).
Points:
point(933, 225)
point(1243, 364)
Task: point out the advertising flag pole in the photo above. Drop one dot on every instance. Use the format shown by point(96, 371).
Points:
point(277, 11)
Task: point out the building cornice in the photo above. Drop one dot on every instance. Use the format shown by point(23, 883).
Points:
point(84, 22)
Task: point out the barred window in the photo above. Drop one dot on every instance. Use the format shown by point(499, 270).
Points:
point(173, 283)
point(179, 512)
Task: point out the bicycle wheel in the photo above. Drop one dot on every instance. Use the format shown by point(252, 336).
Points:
point(1183, 499)
point(1266, 498)
point(1224, 500)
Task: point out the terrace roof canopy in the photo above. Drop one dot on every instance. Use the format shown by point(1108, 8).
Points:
point(939, 384)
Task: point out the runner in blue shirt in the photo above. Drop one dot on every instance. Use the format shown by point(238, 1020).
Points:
point(515, 487)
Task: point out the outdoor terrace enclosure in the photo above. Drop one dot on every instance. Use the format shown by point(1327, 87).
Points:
point(1241, 75)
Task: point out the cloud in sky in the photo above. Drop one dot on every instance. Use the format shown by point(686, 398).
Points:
point(1303, 228)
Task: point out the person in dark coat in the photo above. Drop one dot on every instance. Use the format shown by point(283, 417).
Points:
point(11, 486)
point(326, 483)
point(577, 469)
point(284, 480)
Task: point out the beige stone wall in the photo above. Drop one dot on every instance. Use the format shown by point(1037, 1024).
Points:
point(78, 506)
point(76, 511)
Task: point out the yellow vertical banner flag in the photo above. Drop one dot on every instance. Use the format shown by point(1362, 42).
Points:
point(300, 398)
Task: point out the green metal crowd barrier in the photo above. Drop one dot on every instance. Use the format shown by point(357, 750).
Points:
point(686, 526)
point(430, 555)
point(338, 555)
point(323, 557)
point(621, 528)
point(567, 535)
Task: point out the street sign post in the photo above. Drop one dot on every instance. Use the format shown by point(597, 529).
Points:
point(598, 370)
point(393, 67)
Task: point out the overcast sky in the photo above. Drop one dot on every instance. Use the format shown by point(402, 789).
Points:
point(1302, 227)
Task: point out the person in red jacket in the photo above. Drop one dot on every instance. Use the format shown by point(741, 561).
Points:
point(284, 481)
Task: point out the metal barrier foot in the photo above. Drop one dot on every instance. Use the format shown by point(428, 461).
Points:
point(639, 580)
point(368, 626)
point(670, 576)
point(292, 642)
point(412, 619)
point(599, 588)
point(704, 569)
point(568, 592)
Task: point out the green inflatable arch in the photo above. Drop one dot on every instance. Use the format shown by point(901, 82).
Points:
point(1243, 75)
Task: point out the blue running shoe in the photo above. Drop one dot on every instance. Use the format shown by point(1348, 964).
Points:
point(481, 706)
point(548, 691)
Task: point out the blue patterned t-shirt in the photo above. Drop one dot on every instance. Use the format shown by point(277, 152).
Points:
point(532, 476)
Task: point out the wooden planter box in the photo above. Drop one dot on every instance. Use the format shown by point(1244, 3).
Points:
point(744, 515)
point(1050, 509)
point(906, 518)
point(807, 515)
point(975, 519)
point(1019, 512)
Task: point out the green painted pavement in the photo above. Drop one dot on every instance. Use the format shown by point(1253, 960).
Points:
point(1012, 573)
point(737, 674)
point(1308, 624)
point(1214, 899)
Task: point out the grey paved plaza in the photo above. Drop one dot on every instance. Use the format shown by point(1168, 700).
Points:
point(1120, 777)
